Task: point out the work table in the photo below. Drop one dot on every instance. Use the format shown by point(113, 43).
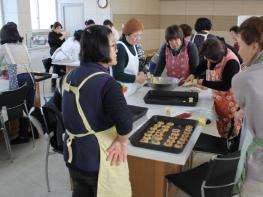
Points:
point(149, 167)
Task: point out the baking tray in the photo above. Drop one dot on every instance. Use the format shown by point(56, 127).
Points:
point(179, 124)
point(137, 112)
point(171, 98)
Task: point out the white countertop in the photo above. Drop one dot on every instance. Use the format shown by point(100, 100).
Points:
point(205, 103)
point(66, 63)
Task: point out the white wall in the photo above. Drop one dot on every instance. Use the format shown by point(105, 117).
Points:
point(91, 10)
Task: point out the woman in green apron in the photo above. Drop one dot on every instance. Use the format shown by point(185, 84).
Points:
point(247, 88)
point(97, 120)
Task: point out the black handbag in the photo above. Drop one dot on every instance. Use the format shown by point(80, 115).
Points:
point(232, 141)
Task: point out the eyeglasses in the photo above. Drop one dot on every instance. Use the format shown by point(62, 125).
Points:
point(114, 46)
point(136, 36)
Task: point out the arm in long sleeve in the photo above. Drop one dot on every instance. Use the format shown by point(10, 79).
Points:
point(231, 68)
point(115, 105)
point(54, 40)
point(193, 56)
point(118, 69)
point(239, 84)
point(161, 62)
point(200, 68)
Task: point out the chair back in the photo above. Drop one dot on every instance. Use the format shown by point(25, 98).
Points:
point(14, 101)
point(220, 177)
point(54, 122)
point(13, 98)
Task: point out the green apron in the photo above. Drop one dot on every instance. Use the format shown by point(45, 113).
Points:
point(113, 181)
point(249, 146)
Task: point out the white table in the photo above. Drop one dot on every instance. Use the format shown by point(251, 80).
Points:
point(205, 102)
point(69, 64)
point(150, 166)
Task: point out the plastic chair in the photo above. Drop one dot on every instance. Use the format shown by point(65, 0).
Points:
point(214, 178)
point(12, 107)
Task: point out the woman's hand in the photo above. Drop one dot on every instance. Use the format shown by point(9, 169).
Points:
point(117, 152)
point(200, 82)
point(190, 78)
point(140, 78)
point(239, 115)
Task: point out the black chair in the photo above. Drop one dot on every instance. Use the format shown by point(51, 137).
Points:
point(12, 107)
point(47, 62)
point(48, 121)
point(217, 145)
point(215, 178)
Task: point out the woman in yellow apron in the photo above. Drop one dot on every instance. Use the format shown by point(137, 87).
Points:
point(221, 65)
point(97, 121)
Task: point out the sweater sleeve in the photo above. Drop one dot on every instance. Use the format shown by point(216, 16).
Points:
point(161, 62)
point(193, 56)
point(118, 69)
point(200, 68)
point(54, 40)
point(116, 107)
point(231, 68)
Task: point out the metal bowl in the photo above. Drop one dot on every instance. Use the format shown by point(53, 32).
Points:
point(164, 83)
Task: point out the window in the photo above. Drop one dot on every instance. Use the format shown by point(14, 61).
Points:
point(1, 15)
point(43, 13)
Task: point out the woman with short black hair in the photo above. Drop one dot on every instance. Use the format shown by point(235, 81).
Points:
point(13, 51)
point(177, 55)
point(203, 27)
point(55, 39)
point(97, 120)
point(221, 65)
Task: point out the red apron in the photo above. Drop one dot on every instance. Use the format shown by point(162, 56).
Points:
point(224, 101)
point(178, 66)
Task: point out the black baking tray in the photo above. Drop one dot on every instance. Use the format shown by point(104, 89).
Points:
point(162, 97)
point(137, 112)
point(178, 123)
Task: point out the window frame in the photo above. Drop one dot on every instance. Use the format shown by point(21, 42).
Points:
point(38, 18)
point(1, 13)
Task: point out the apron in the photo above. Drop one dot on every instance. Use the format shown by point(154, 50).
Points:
point(177, 66)
point(132, 68)
point(249, 146)
point(113, 181)
point(224, 102)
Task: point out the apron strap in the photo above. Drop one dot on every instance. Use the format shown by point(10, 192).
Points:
point(75, 90)
point(72, 136)
point(257, 142)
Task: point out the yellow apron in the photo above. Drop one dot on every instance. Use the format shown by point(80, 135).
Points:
point(113, 181)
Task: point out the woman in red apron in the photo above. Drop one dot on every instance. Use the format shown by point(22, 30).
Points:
point(177, 55)
point(221, 65)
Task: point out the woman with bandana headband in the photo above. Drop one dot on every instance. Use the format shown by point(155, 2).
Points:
point(177, 55)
